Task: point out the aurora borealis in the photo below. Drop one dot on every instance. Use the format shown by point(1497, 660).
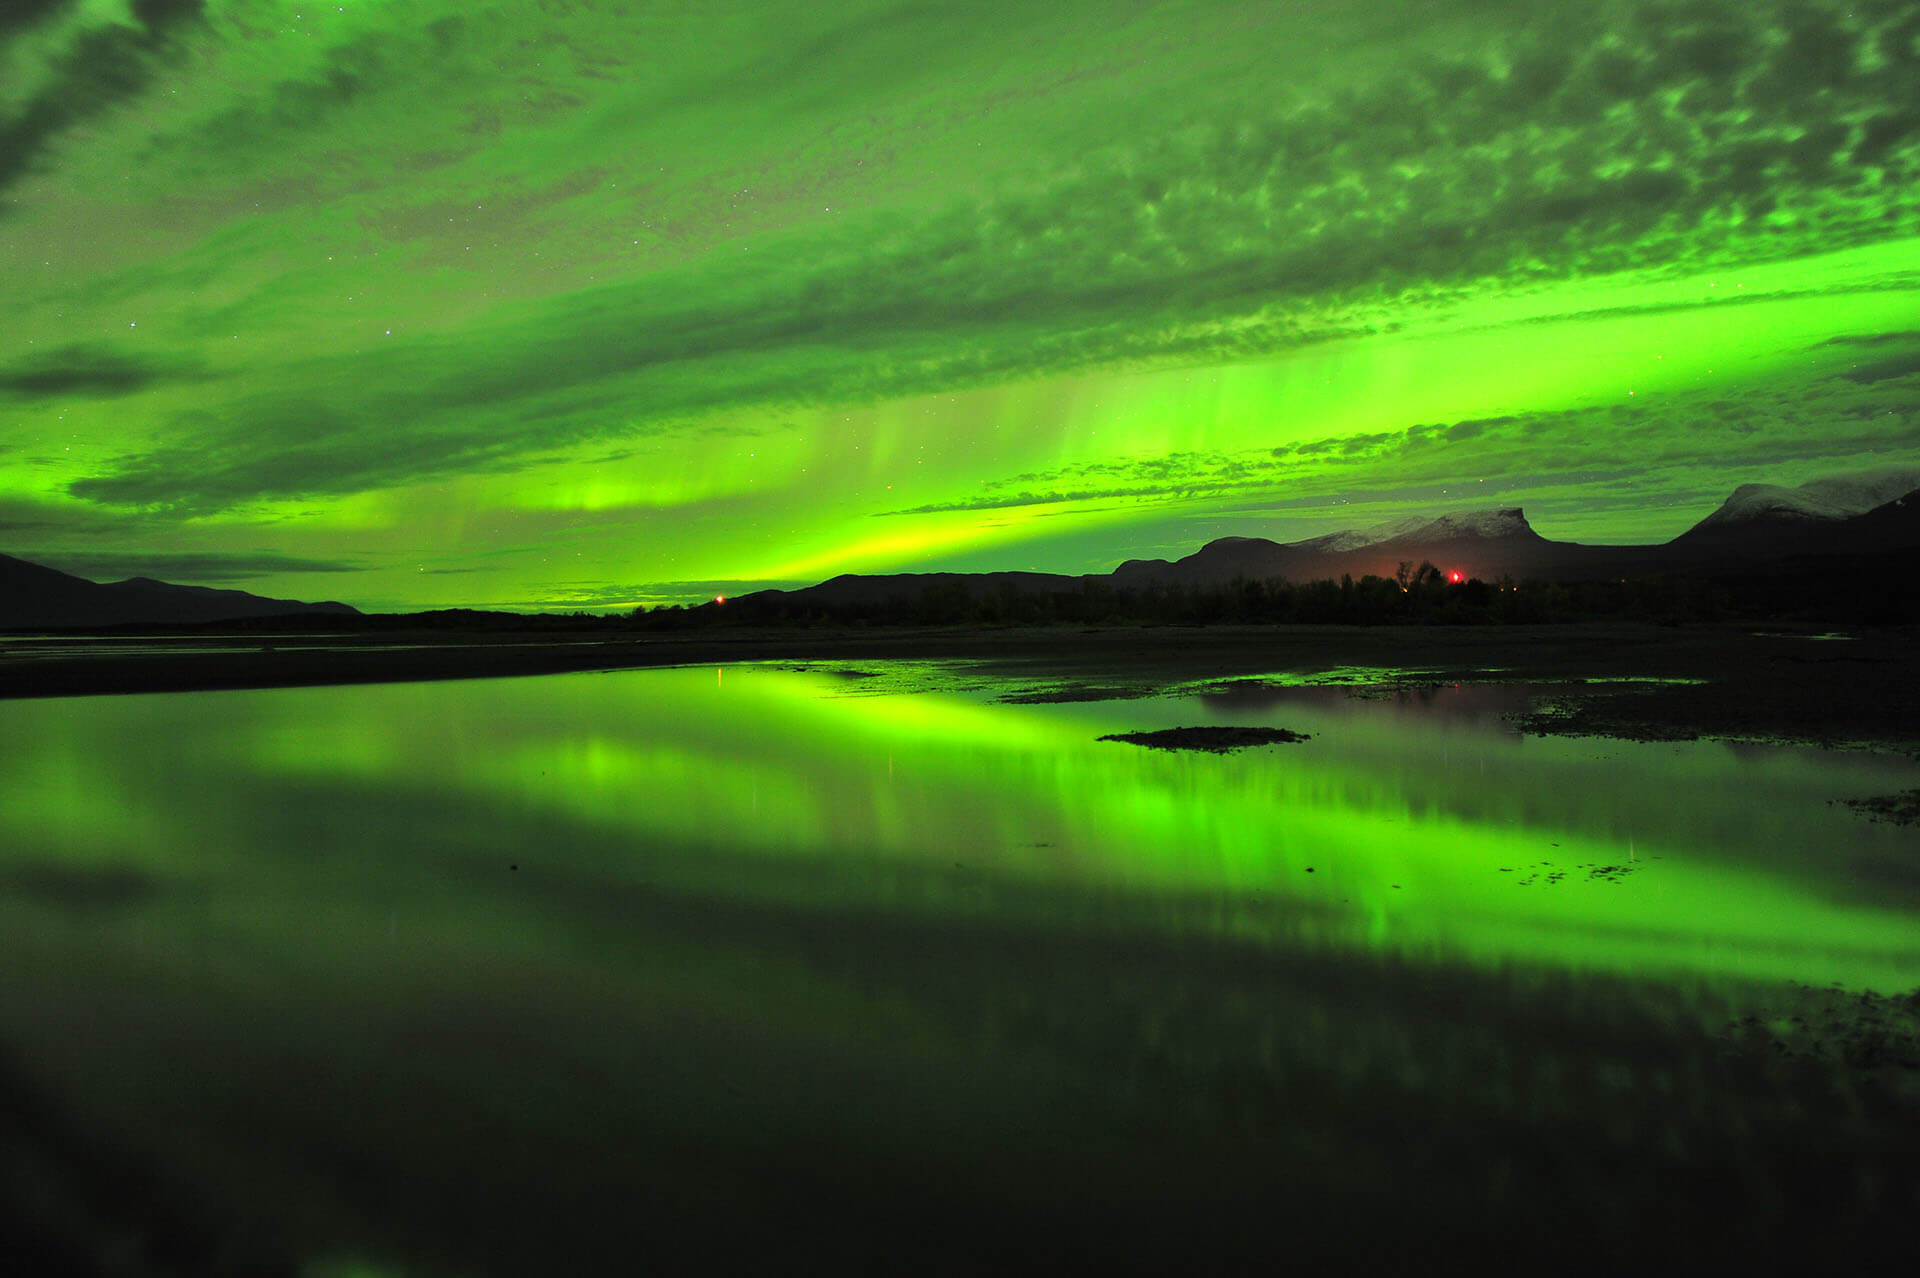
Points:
point(574, 304)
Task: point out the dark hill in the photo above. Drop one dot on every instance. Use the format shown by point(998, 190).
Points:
point(1768, 533)
point(1486, 544)
point(853, 588)
point(33, 596)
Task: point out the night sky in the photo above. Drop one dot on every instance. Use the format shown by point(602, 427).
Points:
point(565, 304)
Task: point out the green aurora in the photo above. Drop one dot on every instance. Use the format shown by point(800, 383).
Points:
point(599, 304)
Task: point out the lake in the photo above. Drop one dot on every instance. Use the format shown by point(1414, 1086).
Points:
point(878, 966)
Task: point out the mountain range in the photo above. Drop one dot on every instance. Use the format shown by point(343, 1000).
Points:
point(1760, 528)
point(1757, 529)
point(33, 595)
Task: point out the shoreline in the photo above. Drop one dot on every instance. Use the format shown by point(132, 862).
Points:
point(1618, 679)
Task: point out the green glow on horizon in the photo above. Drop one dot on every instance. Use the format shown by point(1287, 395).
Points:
point(432, 304)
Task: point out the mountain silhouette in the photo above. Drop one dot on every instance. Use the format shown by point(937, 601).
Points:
point(1760, 528)
point(1846, 515)
point(1488, 544)
point(33, 596)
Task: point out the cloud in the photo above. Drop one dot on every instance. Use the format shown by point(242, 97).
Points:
point(101, 66)
point(19, 14)
point(40, 513)
point(1649, 136)
point(345, 443)
point(1871, 340)
point(1902, 362)
point(193, 567)
point(1887, 370)
point(88, 369)
point(1791, 422)
point(1897, 356)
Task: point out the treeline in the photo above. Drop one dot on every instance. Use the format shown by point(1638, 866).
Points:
point(1367, 601)
point(1880, 589)
point(1849, 592)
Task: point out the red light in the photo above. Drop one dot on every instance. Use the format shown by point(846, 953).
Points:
point(719, 599)
point(1454, 576)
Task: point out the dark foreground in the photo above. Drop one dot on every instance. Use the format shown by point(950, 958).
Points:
point(1035, 1077)
point(1183, 1105)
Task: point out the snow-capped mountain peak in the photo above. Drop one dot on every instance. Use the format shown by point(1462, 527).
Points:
point(1509, 521)
point(1506, 522)
point(1818, 501)
point(1357, 538)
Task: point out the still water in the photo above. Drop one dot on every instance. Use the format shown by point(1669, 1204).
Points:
point(366, 964)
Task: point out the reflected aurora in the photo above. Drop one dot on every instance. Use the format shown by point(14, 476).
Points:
point(1417, 833)
point(473, 975)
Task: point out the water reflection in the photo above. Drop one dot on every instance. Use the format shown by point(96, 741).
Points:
point(1422, 817)
point(392, 967)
